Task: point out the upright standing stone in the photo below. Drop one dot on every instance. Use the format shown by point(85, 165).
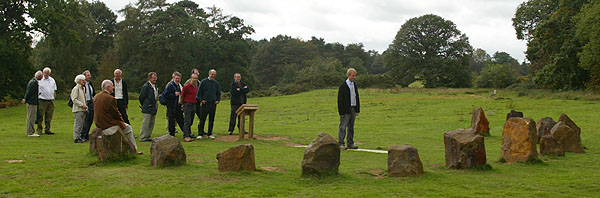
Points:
point(404, 161)
point(112, 145)
point(544, 126)
point(166, 150)
point(519, 139)
point(464, 149)
point(549, 146)
point(567, 134)
point(237, 158)
point(322, 156)
point(514, 113)
point(479, 123)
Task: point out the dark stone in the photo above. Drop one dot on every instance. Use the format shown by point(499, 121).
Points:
point(112, 145)
point(464, 149)
point(544, 126)
point(166, 151)
point(549, 146)
point(404, 161)
point(93, 138)
point(237, 158)
point(519, 139)
point(479, 123)
point(322, 156)
point(567, 134)
point(514, 113)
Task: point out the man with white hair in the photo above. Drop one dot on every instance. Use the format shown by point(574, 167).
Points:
point(107, 116)
point(121, 93)
point(31, 99)
point(47, 93)
point(89, 97)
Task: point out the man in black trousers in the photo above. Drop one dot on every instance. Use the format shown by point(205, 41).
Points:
point(121, 93)
point(238, 90)
point(89, 97)
point(209, 94)
point(348, 108)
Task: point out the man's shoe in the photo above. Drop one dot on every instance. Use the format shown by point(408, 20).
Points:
point(230, 132)
point(33, 135)
point(199, 137)
point(139, 153)
point(352, 147)
point(192, 136)
point(245, 132)
point(78, 141)
point(187, 139)
point(342, 147)
point(146, 140)
point(212, 137)
point(172, 134)
point(49, 133)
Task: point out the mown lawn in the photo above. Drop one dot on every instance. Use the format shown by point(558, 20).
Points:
point(54, 166)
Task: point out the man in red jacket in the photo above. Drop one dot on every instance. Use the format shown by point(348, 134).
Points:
point(188, 96)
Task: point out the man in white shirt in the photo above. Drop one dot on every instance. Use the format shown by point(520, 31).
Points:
point(121, 94)
point(47, 94)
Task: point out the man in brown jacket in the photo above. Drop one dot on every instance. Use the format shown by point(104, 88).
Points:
point(106, 113)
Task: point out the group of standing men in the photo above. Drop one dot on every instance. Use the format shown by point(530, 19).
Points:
point(195, 97)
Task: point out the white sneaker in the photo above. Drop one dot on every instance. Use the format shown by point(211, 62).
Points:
point(199, 137)
point(212, 137)
point(33, 135)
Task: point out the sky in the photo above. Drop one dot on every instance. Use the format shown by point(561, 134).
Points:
point(373, 23)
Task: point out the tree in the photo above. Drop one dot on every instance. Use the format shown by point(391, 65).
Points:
point(530, 14)
point(496, 76)
point(588, 26)
point(431, 49)
point(479, 59)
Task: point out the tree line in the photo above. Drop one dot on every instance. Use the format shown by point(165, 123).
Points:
point(76, 35)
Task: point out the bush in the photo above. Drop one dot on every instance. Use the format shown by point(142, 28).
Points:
point(495, 76)
point(375, 81)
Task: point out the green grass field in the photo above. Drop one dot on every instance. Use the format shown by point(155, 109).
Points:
point(54, 166)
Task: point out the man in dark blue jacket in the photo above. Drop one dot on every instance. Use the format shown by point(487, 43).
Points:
point(148, 97)
point(238, 90)
point(209, 94)
point(174, 112)
point(348, 108)
point(31, 99)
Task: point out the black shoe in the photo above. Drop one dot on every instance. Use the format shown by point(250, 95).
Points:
point(192, 136)
point(172, 134)
point(146, 140)
point(49, 133)
point(84, 140)
point(78, 141)
point(351, 147)
point(230, 132)
point(245, 132)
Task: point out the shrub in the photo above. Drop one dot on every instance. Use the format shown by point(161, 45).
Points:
point(495, 76)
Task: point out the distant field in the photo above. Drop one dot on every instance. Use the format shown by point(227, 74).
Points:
point(54, 166)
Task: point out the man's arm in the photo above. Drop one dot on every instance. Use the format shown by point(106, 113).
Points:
point(245, 89)
point(340, 99)
point(218, 93)
point(143, 94)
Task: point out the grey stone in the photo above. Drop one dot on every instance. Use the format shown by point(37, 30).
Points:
point(404, 161)
point(166, 151)
point(322, 156)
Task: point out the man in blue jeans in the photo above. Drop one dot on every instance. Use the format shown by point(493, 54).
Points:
point(348, 108)
point(209, 95)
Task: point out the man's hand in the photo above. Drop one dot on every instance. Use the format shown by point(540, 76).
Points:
point(177, 93)
point(237, 89)
point(245, 87)
point(84, 107)
point(217, 102)
point(23, 101)
point(203, 101)
point(127, 107)
point(357, 114)
point(342, 116)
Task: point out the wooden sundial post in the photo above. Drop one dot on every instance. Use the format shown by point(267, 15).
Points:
point(242, 111)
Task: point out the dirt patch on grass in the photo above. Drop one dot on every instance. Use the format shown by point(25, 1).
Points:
point(292, 144)
point(199, 161)
point(273, 169)
point(227, 138)
point(234, 138)
point(435, 165)
point(272, 138)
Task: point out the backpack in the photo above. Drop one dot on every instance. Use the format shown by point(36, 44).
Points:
point(70, 103)
point(162, 98)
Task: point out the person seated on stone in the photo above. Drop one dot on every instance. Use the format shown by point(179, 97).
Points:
point(107, 116)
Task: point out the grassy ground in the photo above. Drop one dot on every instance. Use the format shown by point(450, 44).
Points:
point(55, 166)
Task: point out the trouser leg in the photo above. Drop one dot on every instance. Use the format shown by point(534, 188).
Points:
point(31, 116)
point(128, 132)
point(48, 117)
point(171, 121)
point(350, 138)
point(148, 121)
point(189, 110)
point(123, 110)
point(232, 118)
point(42, 106)
point(203, 119)
point(211, 117)
point(342, 129)
point(89, 119)
point(78, 121)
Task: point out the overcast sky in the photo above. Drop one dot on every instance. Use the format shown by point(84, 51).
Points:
point(373, 23)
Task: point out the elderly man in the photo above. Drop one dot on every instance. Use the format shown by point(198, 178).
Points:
point(174, 112)
point(238, 90)
point(121, 93)
point(89, 97)
point(209, 94)
point(31, 99)
point(148, 98)
point(47, 93)
point(348, 108)
point(107, 116)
